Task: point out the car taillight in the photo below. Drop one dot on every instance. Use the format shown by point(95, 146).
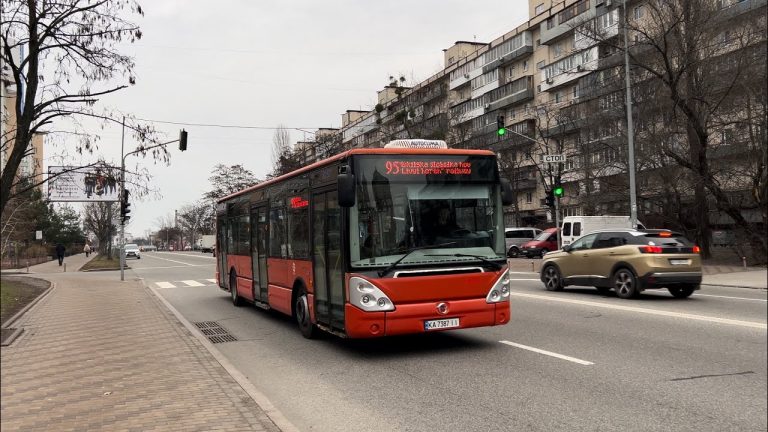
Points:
point(650, 249)
point(696, 249)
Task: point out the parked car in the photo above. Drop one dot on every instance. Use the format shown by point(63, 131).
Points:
point(627, 261)
point(132, 250)
point(545, 242)
point(516, 237)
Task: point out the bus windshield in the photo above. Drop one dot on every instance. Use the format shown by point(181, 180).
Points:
point(393, 214)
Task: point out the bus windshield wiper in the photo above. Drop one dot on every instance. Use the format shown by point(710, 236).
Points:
point(410, 251)
point(494, 265)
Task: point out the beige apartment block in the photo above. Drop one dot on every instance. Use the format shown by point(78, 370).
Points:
point(558, 89)
point(31, 166)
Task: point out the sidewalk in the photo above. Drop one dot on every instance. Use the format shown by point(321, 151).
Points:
point(100, 354)
point(757, 279)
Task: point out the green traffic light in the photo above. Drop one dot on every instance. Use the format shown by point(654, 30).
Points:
point(558, 191)
point(502, 131)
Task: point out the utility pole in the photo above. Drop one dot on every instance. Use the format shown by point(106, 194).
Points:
point(630, 127)
point(122, 191)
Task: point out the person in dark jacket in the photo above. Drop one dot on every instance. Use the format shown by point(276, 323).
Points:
point(60, 249)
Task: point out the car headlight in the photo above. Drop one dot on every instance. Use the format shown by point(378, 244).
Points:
point(368, 296)
point(500, 290)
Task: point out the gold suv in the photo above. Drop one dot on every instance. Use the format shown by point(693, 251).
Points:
point(627, 260)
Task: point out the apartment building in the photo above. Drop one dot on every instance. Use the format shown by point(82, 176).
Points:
point(556, 83)
point(31, 166)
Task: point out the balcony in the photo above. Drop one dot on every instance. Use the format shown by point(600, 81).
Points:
point(548, 35)
point(522, 184)
point(741, 7)
point(517, 91)
point(465, 79)
point(569, 69)
point(509, 57)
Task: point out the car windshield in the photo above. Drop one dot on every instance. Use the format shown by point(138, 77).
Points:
point(131, 246)
point(543, 236)
point(390, 218)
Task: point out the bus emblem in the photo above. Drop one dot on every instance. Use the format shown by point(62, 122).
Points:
point(442, 308)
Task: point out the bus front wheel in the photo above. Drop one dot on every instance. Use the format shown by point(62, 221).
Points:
point(301, 311)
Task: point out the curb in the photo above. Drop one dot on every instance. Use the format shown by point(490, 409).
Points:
point(26, 308)
point(258, 397)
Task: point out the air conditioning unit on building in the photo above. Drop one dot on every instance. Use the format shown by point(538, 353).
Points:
point(487, 106)
point(579, 68)
point(548, 81)
point(466, 75)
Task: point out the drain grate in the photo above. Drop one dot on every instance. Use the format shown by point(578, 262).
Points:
point(214, 332)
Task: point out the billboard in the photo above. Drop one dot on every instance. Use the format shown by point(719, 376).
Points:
point(90, 184)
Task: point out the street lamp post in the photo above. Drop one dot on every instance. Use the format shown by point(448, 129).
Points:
point(630, 127)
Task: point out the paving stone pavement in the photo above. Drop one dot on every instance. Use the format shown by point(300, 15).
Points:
point(108, 356)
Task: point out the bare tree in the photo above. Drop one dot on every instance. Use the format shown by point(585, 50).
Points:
point(58, 53)
point(283, 160)
point(228, 179)
point(196, 219)
point(99, 219)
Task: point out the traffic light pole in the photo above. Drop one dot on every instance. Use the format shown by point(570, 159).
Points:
point(182, 138)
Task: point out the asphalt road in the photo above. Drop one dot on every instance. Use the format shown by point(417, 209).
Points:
point(572, 360)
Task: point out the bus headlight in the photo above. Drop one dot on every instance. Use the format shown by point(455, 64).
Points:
point(368, 297)
point(499, 292)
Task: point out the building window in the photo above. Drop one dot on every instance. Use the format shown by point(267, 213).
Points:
point(528, 197)
point(558, 97)
point(557, 50)
point(539, 8)
point(540, 65)
point(525, 65)
point(638, 12)
point(538, 43)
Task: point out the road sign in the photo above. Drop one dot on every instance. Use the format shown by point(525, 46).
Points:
point(558, 158)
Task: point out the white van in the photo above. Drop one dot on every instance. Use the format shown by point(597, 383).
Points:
point(574, 227)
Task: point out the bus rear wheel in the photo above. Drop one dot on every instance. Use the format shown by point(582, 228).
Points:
point(301, 311)
point(236, 300)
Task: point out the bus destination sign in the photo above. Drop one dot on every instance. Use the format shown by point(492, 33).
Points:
point(424, 167)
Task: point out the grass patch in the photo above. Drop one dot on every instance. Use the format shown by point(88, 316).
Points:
point(101, 262)
point(17, 292)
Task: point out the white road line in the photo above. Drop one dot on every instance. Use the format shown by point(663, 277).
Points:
point(192, 283)
point(189, 255)
point(165, 285)
point(537, 279)
point(750, 324)
point(729, 297)
point(166, 259)
point(176, 266)
point(549, 353)
point(211, 280)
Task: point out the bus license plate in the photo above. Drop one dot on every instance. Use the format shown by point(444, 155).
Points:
point(441, 324)
point(679, 261)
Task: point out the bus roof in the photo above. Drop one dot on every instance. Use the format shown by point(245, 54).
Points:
point(361, 151)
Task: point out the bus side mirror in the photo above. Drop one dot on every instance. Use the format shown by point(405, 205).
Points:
point(507, 197)
point(346, 189)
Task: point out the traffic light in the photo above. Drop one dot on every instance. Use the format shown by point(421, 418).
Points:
point(182, 140)
point(558, 190)
point(500, 129)
point(550, 199)
point(125, 207)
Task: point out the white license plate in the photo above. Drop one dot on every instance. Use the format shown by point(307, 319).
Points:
point(679, 261)
point(441, 324)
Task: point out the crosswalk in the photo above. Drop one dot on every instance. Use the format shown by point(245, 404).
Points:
point(185, 283)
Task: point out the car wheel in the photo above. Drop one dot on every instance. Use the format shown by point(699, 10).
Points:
point(301, 310)
point(552, 279)
point(543, 252)
point(236, 300)
point(684, 291)
point(625, 284)
point(513, 252)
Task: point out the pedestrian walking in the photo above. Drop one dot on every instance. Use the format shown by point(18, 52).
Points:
point(87, 250)
point(60, 249)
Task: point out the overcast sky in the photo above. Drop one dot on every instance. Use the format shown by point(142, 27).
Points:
point(264, 63)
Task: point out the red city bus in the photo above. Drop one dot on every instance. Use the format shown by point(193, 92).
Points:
point(408, 238)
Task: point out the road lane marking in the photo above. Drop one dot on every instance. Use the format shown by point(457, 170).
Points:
point(166, 259)
point(189, 255)
point(537, 279)
point(192, 283)
point(176, 266)
point(729, 297)
point(549, 353)
point(165, 285)
point(211, 280)
point(750, 324)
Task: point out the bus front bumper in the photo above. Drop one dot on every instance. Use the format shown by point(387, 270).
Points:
point(412, 318)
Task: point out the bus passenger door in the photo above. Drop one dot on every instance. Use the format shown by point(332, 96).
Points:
point(221, 250)
point(327, 260)
point(259, 252)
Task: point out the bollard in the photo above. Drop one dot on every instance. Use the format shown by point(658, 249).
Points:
point(532, 270)
point(744, 261)
point(65, 267)
point(27, 266)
